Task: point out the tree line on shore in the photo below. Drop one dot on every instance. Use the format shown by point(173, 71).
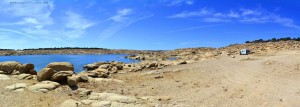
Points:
point(61, 48)
point(57, 48)
point(274, 40)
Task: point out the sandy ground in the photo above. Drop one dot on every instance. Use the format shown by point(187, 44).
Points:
point(245, 81)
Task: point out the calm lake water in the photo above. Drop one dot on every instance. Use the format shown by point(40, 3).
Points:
point(41, 61)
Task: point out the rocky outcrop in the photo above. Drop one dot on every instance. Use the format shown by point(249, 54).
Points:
point(25, 76)
point(104, 65)
point(83, 78)
point(18, 87)
point(9, 66)
point(45, 74)
point(61, 76)
point(84, 92)
point(32, 72)
point(116, 100)
point(44, 86)
point(25, 68)
point(70, 103)
point(4, 77)
point(61, 66)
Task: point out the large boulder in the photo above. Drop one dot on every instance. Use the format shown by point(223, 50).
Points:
point(61, 66)
point(45, 74)
point(9, 66)
point(90, 67)
point(61, 76)
point(25, 68)
point(103, 73)
point(32, 72)
point(44, 86)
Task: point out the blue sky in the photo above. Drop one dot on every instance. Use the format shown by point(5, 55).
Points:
point(144, 24)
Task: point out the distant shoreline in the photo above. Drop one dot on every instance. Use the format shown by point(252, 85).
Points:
point(8, 52)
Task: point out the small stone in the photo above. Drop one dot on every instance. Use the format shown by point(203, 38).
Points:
point(158, 77)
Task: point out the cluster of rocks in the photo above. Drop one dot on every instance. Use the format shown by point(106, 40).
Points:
point(21, 71)
point(61, 72)
point(48, 78)
point(105, 69)
point(16, 68)
point(136, 57)
point(105, 99)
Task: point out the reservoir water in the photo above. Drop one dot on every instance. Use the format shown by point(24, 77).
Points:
point(41, 61)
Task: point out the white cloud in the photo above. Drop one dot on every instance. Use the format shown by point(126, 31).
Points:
point(188, 43)
point(34, 12)
point(18, 32)
point(202, 12)
point(197, 27)
point(180, 2)
point(241, 15)
point(76, 21)
point(121, 15)
point(122, 19)
point(91, 4)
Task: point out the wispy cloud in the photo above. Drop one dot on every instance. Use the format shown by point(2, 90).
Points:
point(36, 13)
point(184, 14)
point(242, 15)
point(91, 4)
point(122, 15)
point(180, 2)
point(76, 25)
point(76, 21)
point(18, 32)
point(196, 27)
point(34, 20)
point(122, 19)
point(188, 43)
